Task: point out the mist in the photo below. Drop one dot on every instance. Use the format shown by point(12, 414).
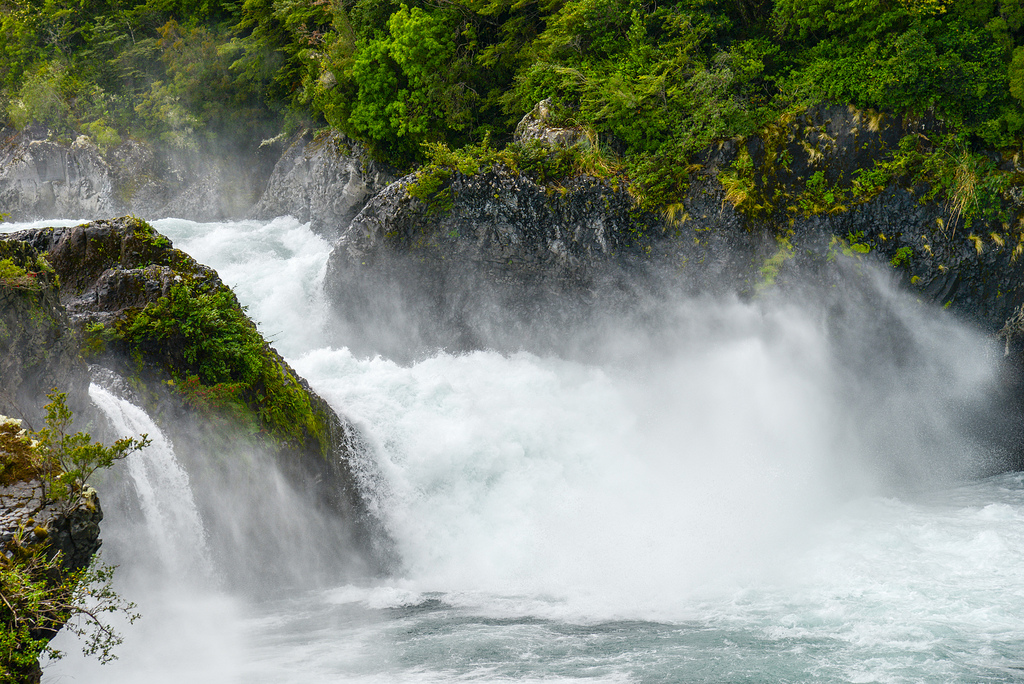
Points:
point(651, 456)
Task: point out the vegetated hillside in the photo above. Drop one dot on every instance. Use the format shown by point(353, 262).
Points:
point(647, 84)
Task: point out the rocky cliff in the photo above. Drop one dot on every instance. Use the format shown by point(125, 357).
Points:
point(39, 349)
point(324, 179)
point(759, 211)
point(43, 177)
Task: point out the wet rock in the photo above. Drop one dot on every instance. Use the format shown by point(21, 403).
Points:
point(325, 180)
point(511, 260)
point(39, 348)
point(42, 178)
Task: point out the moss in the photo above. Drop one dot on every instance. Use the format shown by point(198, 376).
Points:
point(17, 453)
point(544, 164)
point(219, 362)
point(21, 268)
point(903, 257)
point(148, 234)
point(773, 265)
point(95, 339)
point(10, 271)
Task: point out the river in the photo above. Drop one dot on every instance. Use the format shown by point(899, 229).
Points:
point(728, 503)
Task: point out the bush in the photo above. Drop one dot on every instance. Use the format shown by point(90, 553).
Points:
point(66, 461)
point(38, 595)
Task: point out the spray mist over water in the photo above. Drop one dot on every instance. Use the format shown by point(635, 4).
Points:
point(694, 498)
point(625, 491)
point(695, 445)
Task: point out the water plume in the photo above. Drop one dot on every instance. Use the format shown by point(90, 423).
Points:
point(680, 486)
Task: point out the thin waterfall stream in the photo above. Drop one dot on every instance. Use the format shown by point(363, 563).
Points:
point(717, 503)
point(162, 487)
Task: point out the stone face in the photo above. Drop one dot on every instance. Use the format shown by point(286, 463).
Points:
point(510, 260)
point(42, 179)
point(325, 180)
point(39, 349)
point(75, 533)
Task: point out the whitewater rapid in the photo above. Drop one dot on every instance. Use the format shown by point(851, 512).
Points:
point(714, 511)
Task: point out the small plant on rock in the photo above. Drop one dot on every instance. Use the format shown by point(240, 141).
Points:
point(66, 461)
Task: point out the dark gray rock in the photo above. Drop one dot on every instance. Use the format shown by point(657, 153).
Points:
point(39, 349)
point(514, 264)
point(73, 531)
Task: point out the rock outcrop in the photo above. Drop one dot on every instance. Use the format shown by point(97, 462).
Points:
point(513, 262)
point(110, 272)
point(41, 178)
point(39, 349)
point(26, 516)
point(511, 243)
point(324, 179)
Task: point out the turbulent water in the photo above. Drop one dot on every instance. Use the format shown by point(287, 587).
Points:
point(730, 502)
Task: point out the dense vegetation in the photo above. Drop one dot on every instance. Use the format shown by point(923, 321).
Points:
point(648, 83)
point(199, 336)
point(39, 592)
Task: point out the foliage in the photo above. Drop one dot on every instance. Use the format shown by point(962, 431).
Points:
point(25, 274)
point(206, 332)
point(19, 460)
point(10, 271)
point(903, 256)
point(544, 164)
point(648, 85)
point(772, 266)
point(66, 461)
point(953, 58)
point(38, 594)
point(226, 399)
point(39, 598)
point(218, 359)
point(819, 197)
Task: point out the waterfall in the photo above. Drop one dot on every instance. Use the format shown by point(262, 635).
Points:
point(172, 520)
point(760, 490)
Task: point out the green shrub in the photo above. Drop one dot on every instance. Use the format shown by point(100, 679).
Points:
point(218, 358)
point(40, 595)
point(66, 461)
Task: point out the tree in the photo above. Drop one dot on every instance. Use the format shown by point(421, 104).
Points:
point(67, 461)
point(39, 592)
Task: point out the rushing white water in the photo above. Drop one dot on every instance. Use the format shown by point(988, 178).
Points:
point(162, 487)
point(733, 505)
